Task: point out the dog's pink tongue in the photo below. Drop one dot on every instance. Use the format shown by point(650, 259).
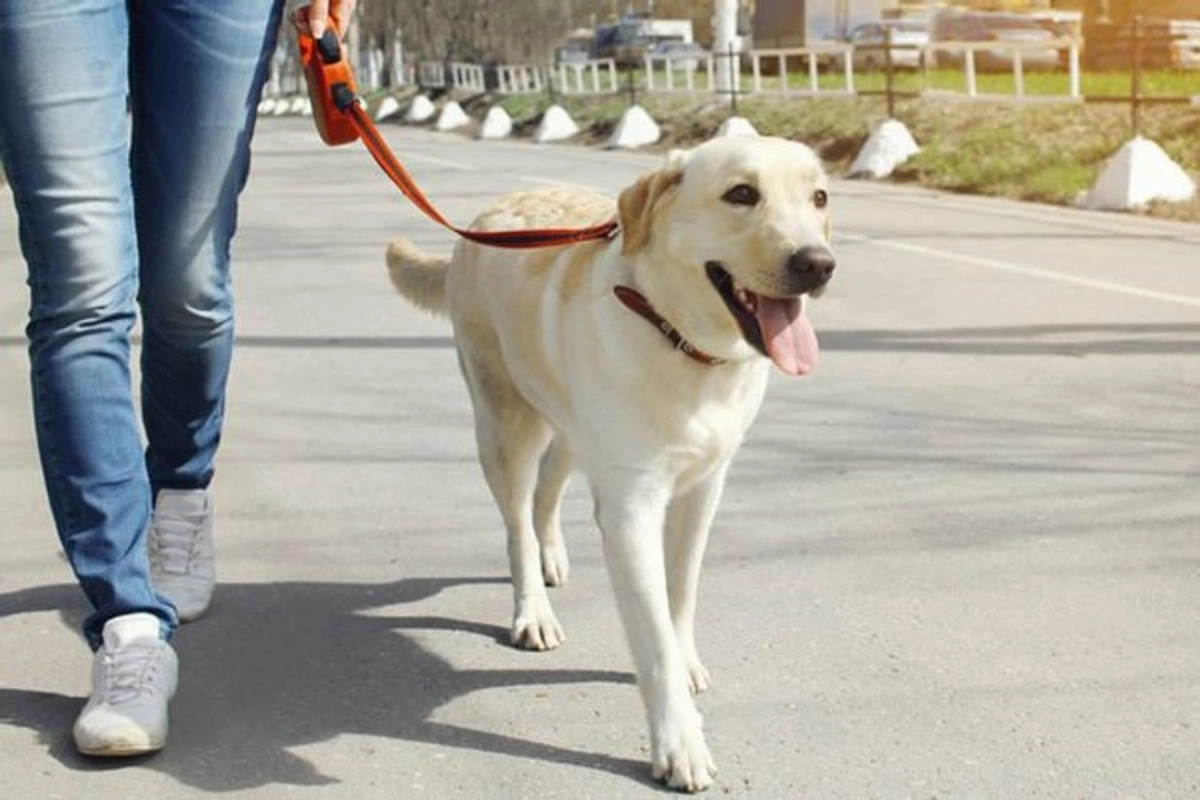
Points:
point(789, 336)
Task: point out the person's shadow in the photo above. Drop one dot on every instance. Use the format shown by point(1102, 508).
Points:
point(288, 664)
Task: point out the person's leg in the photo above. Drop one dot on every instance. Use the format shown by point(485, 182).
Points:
point(198, 70)
point(63, 137)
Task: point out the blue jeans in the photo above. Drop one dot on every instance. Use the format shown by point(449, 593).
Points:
point(125, 134)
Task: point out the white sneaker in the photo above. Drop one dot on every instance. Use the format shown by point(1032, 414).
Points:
point(134, 675)
point(180, 546)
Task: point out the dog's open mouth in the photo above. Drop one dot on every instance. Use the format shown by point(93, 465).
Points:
point(775, 326)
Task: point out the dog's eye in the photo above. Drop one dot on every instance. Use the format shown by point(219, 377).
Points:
point(820, 198)
point(742, 195)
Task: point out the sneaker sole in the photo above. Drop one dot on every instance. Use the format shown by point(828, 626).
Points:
point(191, 614)
point(122, 750)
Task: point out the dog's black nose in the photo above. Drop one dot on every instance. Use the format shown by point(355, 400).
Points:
point(812, 263)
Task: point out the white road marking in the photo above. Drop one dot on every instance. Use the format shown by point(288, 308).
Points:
point(459, 166)
point(1032, 272)
point(904, 247)
point(1063, 216)
point(437, 162)
point(534, 179)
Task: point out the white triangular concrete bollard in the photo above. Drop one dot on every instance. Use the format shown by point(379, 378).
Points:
point(452, 117)
point(737, 126)
point(297, 106)
point(888, 146)
point(282, 106)
point(1137, 174)
point(267, 106)
point(388, 107)
point(496, 125)
point(556, 125)
point(635, 129)
point(306, 108)
point(421, 109)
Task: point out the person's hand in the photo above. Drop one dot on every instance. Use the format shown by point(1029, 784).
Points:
point(318, 15)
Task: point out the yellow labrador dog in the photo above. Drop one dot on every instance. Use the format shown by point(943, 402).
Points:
point(640, 362)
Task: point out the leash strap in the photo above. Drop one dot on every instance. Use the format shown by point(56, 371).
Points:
point(513, 239)
point(341, 118)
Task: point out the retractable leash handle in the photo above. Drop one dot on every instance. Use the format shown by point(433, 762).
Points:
point(331, 86)
point(341, 118)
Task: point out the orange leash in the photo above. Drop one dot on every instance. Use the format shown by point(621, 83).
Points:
point(341, 118)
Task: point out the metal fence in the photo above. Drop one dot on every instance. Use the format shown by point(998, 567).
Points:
point(1016, 53)
point(796, 71)
point(520, 79)
point(1136, 40)
point(595, 76)
point(792, 71)
point(779, 61)
point(678, 72)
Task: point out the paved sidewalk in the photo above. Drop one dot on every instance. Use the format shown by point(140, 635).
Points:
point(961, 560)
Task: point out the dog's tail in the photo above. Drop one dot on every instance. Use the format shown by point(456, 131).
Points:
point(418, 276)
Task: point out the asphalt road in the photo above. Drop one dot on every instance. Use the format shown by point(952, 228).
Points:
point(960, 560)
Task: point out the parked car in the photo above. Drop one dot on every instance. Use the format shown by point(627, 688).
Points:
point(571, 55)
point(998, 28)
point(908, 39)
point(629, 39)
point(687, 56)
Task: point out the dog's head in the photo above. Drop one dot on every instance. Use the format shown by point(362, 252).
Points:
point(727, 239)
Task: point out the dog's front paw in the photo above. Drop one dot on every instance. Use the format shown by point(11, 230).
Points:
point(556, 567)
point(680, 757)
point(535, 627)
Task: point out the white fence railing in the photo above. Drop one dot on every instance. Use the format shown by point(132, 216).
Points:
point(797, 71)
point(1046, 55)
point(468, 77)
point(520, 79)
point(596, 76)
point(678, 72)
point(761, 61)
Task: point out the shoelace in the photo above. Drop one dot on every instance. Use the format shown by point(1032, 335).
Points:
point(173, 545)
point(131, 672)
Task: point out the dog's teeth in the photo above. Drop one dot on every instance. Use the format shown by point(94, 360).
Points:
point(744, 296)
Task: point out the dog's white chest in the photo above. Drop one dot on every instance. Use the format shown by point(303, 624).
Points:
point(708, 431)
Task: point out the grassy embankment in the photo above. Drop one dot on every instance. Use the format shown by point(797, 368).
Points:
point(1041, 151)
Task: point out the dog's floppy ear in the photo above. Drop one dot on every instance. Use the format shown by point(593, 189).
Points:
point(636, 205)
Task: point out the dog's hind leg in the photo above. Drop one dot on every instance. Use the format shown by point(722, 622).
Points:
point(511, 437)
point(689, 519)
point(547, 504)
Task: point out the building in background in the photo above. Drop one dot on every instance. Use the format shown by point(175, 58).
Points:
point(801, 23)
point(1172, 28)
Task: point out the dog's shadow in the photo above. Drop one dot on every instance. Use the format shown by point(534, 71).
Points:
point(284, 665)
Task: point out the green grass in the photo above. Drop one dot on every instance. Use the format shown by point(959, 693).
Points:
point(1162, 83)
point(1035, 152)
point(1047, 152)
point(1158, 83)
point(1037, 84)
